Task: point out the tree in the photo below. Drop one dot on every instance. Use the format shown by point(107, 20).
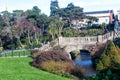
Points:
point(68, 13)
point(18, 16)
point(26, 30)
point(55, 27)
point(2, 23)
point(53, 7)
point(43, 22)
point(6, 17)
point(52, 30)
point(33, 15)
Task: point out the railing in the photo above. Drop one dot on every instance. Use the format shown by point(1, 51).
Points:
point(15, 53)
point(86, 40)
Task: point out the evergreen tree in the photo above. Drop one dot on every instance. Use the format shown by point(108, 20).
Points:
point(53, 7)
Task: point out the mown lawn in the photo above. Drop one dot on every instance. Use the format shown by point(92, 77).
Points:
point(20, 69)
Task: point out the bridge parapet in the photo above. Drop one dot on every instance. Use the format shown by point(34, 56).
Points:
point(77, 43)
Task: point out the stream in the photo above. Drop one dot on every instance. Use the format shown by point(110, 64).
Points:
point(84, 61)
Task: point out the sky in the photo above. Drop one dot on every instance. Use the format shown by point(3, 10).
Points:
point(44, 5)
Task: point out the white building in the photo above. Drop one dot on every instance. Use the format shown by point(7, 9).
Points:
point(106, 16)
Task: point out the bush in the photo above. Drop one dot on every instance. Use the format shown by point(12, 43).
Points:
point(34, 53)
point(65, 69)
point(110, 58)
point(1, 48)
point(60, 68)
point(106, 75)
point(56, 62)
point(53, 55)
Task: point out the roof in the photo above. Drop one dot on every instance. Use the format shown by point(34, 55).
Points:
point(99, 12)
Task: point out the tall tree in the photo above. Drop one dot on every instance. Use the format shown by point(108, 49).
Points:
point(33, 15)
point(2, 23)
point(53, 7)
point(55, 27)
point(69, 13)
point(43, 22)
point(6, 17)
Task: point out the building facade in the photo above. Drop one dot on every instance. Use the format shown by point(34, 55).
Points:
point(106, 16)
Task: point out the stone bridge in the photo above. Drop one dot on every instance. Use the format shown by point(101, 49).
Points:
point(82, 43)
point(86, 43)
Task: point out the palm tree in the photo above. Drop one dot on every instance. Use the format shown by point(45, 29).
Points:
point(55, 28)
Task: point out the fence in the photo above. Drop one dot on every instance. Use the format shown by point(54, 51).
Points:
point(15, 53)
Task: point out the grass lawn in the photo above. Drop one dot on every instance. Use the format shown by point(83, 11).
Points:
point(20, 69)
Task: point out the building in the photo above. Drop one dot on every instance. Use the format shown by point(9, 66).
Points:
point(118, 13)
point(105, 16)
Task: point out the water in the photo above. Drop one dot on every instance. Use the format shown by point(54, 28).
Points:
point(84, 61)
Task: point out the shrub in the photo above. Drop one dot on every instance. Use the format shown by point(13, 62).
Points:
point(56, 62)
point(110, 58)
point(58, 48)
point(60, 68)
point(34, 53)
point(65, 69)
point(1, 48)
point(106, 75)
point(77, 71)
point(53, 55)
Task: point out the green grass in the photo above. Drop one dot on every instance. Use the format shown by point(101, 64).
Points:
point(20, 69)
point(17, 53)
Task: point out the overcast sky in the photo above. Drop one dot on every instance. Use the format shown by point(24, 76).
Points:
point(44, 5)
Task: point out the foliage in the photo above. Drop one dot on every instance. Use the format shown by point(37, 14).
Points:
point(36, 44)
point(107, 75)
point(94, 32)
point(70, 32)
point(103, 25)
point(117, 42)
point(20, 69)
point(110, 58)
point(53, 7)
point(59, 68)
point(2, 23)
point(59, 48)
point(68, 13)
point(34, 53)
point(74, 54)
point(22, 28)
point(65, 69)
point(7, 40)
point(56, 62)
point(55, 28)
point(53, 55)
point(1, 48)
